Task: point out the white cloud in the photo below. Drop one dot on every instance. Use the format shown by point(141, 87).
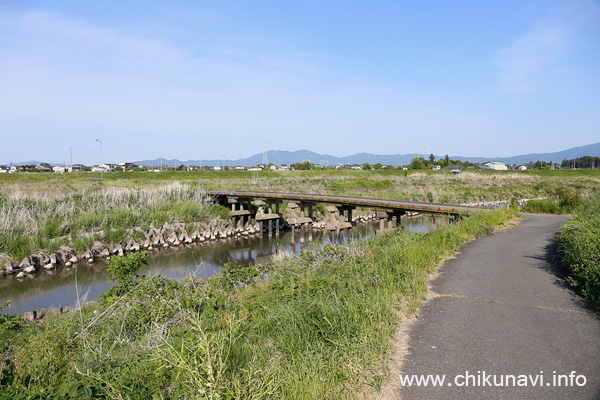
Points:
point(528, 56)
point(526, 64)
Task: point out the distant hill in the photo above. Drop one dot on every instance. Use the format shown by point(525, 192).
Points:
point(592, 150)
point(290, 157)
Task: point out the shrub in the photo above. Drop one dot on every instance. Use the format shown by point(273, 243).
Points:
point(543, 207)
point(122, 271)
point(579, 249)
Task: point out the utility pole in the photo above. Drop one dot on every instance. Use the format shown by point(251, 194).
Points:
point(425, 154)
point(101, 162)
point(71, 151)
point(265, 159)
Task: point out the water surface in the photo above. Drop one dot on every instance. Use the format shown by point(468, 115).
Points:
point(65, 286)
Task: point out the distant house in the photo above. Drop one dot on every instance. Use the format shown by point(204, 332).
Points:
point(103, 168)
point(59, 169)
point(496, 166)
point(522, 168)
point(3, 169)
point(436, 167)
point(43, 168)
point(25, 168)
point(454, 167)
point(217, 168)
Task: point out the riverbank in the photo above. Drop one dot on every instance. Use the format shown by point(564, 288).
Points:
point(59, 287)
point(579, 249)
point(314, 326)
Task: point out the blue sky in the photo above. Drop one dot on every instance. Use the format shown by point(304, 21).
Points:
point(207, 79)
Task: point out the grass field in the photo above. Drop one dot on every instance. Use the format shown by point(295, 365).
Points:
point(317, 326)
point(41, 211)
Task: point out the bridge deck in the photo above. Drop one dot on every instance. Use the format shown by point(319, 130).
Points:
point(352, 201)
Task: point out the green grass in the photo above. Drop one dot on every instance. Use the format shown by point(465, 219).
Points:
point(579, 249)
point(315, 326)
point(35, 220)
point(566, 203)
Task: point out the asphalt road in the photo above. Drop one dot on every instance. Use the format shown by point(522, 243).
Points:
point(503, 307)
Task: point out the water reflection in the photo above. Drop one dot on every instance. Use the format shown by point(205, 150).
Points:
point(63, 286)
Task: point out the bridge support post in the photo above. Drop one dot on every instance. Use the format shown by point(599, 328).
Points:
point(351, 223)
point(398, 215)
point(270, 222)
point(233, 219)
point(310, 229)
point(302, 232)
point(293, 238)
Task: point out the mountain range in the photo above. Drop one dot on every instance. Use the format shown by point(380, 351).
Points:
point(279, 157)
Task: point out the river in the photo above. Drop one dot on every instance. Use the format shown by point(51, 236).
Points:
point(64, 286)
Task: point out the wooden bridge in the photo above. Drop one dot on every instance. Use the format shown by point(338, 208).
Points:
point(388, 209)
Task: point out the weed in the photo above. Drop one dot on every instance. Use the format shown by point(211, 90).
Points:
point(579, 249)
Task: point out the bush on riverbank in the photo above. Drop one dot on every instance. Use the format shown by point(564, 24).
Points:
point(566, 203)
point(32, 220)
point(315, 326)
point(579, 248)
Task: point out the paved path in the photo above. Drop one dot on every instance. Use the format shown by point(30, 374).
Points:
point(504, 308)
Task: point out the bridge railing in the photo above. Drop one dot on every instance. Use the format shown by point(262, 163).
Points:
point(403, 196)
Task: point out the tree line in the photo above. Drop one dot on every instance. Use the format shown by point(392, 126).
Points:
point(581, 162)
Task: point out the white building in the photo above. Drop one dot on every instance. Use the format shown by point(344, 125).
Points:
point(102, 168)
point(496, 166)
point(436, 167)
